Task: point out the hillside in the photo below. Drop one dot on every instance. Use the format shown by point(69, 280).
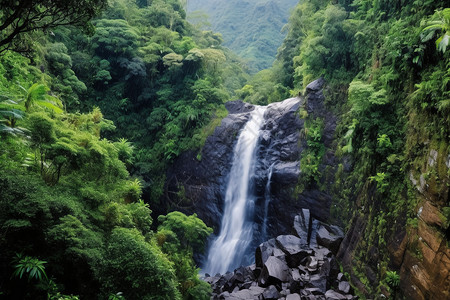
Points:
point(252, 28)
point(125, 166)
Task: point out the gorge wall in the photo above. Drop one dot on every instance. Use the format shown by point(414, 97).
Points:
point(418, 247)
point(281, 143)
point(414, 243)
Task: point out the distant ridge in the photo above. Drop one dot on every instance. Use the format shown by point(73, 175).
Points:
point(251, 28)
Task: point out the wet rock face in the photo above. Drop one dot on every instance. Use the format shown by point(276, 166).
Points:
point(204, 181)
point(282, 146)
point(288, 267)
point(420, 254)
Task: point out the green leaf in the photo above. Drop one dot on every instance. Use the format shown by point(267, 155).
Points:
point(427, 35)
point(442, 43)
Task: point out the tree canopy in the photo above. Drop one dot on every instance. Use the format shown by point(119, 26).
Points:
point(18, 17)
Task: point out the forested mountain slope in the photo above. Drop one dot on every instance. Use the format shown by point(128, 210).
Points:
point(82, 107)
point(251, 28)
point(99, 98)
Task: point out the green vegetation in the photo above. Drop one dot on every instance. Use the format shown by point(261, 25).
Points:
point(17, 19)
point(78, 114)
point(312, 155)
point(253, 29)
point(387, 69)
point(96, 102)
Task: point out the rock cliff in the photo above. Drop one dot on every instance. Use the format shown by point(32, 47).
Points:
point(280, 147)
point(419, 249)
point(415, 244)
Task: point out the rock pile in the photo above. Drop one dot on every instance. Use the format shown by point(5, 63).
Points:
point(297, 266)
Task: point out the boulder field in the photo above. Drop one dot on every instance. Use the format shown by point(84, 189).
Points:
point(301, 265)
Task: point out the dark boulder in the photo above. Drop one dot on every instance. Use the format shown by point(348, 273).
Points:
point(334, 267)
point(294, 248)
point(238, 107)
point(332, 295)
point(344, 287)
point(315, 86)
point(270, 293)
point(286, 173)
point(294, 296)
point(274, 272)
point(302, 225)
point(319, 282)
point(280, 273)
point(263, 252)
point(330, 237)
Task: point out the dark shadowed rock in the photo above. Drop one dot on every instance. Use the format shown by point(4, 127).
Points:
point(263, 252)
point(313, 291)
point(330, 237)
point(270, 293)
point(286, 173)
point(334, 267)
point(325, 268)
point(315, 86)
point(274, 272)
point(294, 248)
point(237, 107)
point(315, 98)
point(319, 282)
point(302, 225)
point(332, 295)
point(240, 274)
point(295, 286)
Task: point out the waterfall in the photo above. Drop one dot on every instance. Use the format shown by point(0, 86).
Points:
point(228, 250)
point(267, 198)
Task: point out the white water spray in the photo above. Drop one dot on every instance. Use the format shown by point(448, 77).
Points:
point(267, 198)
point(228, 250)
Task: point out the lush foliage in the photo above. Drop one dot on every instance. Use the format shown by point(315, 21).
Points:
point(312, 155)
point(387, 69)
point(18, 18)
point(252, 28)
point(72, 217)
point(154, 75)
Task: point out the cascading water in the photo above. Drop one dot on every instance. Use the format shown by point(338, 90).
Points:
point(229, 249)
point(267, 198)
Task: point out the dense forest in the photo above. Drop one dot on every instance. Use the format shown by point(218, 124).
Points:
point(83, 106)
point(251, 29)
point(97, 99)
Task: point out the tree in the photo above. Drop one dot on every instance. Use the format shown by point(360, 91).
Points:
point(190, 231)
point(37, 94)
point(178, 235)
point(137, 268)
point(442, 24)
point(114, 38)
point(18, 17)
point(11, 114)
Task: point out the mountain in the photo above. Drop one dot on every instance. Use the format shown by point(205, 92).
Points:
point(252, 28)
